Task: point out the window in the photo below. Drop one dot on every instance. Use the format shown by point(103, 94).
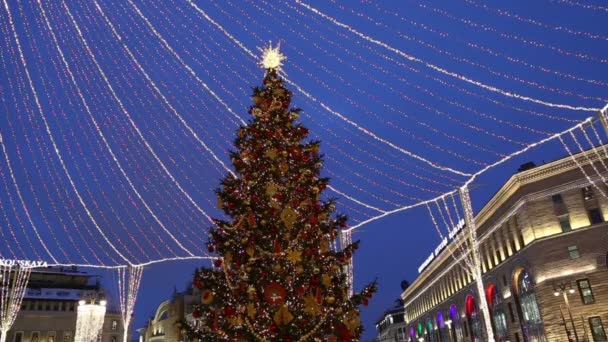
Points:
point(18, 336)
point(504, 280)
point(587, 193)
point(35, 336)
point(597, 329)
point(50, 336)
point(595, 216)
point(67, 336)
point(557, 199)
point(573, 252)
point(113, 339)
point(564, 223)
point(584, 289)
point(114, 325)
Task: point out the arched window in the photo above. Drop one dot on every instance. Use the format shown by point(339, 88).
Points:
point(497, 309)
point(413, 334)
point(457, 334)
point(420, 329)
point(473, 318)
point(531, 321)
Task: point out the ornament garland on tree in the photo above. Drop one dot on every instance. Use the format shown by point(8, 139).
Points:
point(277, 279)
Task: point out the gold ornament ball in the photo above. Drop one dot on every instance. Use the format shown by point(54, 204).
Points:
point(330, 299)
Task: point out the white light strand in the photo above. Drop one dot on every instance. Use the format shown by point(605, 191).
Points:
point(530, 146)
point(89, 321)
point(29, 78)
point(129, 280)
point(450, 247)
point(22, 201)
point(13, 284)
point(477, 276)
point(52, 139)
point(148, 263)
point(439, 69)
point(193, 73)
point(173, 110)
point(389, 212)
point(354, 199)
point(595, 147)
point(86, 104)
point(327, 108)
point(580, 167)
point(130, 119)
point(346, 239)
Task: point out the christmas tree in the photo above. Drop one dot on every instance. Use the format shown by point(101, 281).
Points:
point(279, 276)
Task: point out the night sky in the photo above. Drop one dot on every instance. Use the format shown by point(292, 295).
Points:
point(119, 115)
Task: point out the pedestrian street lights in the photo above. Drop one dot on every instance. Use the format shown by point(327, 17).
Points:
point(563, 289)
point(449, 324)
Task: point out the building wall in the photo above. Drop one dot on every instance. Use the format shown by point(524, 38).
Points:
point(163, 327)
point(520, 229)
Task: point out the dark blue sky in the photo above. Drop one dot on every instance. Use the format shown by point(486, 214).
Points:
point(115, 137)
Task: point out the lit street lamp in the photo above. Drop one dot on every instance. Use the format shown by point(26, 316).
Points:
point(564, 289)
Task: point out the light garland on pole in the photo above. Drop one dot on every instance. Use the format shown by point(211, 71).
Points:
point(13, 284)
point(129, 281)
point(474, 250)
point(89, 320)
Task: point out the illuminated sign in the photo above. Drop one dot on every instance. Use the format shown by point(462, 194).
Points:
point(22, 263)
point(444, 242)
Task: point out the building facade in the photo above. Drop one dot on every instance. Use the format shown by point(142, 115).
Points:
point(391, 327)
point(543, 242)
point(164, 325)
point(48, 310)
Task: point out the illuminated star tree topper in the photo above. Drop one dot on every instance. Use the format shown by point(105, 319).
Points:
point(272, 58)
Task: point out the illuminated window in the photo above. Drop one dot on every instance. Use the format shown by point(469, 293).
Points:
point(595, 216)
point(584, 289)
point(114, 325)
point(587, 193)
point(67, 336)
point(597, 329)
point(573, 252)
point(564, 223)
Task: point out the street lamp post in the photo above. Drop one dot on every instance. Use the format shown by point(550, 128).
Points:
point(564, 289)
point(449, 324)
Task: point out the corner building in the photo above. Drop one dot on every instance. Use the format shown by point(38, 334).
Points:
point(543, 241)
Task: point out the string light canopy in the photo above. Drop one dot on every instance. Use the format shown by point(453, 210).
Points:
point(396, 168)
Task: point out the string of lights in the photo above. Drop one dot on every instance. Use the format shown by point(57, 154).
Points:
point(352, 89)
point(99, 131)
point(442, 70)
point(355, 104)
point(170, 48)
point(13, 284)
point(143, 139)
point(485, 49)
point(477, 65)
point(129, 280)
point(517, 38)
point(521, 19)
point(192, 26)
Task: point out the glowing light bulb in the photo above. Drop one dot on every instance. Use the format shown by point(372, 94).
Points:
point(272, 58)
